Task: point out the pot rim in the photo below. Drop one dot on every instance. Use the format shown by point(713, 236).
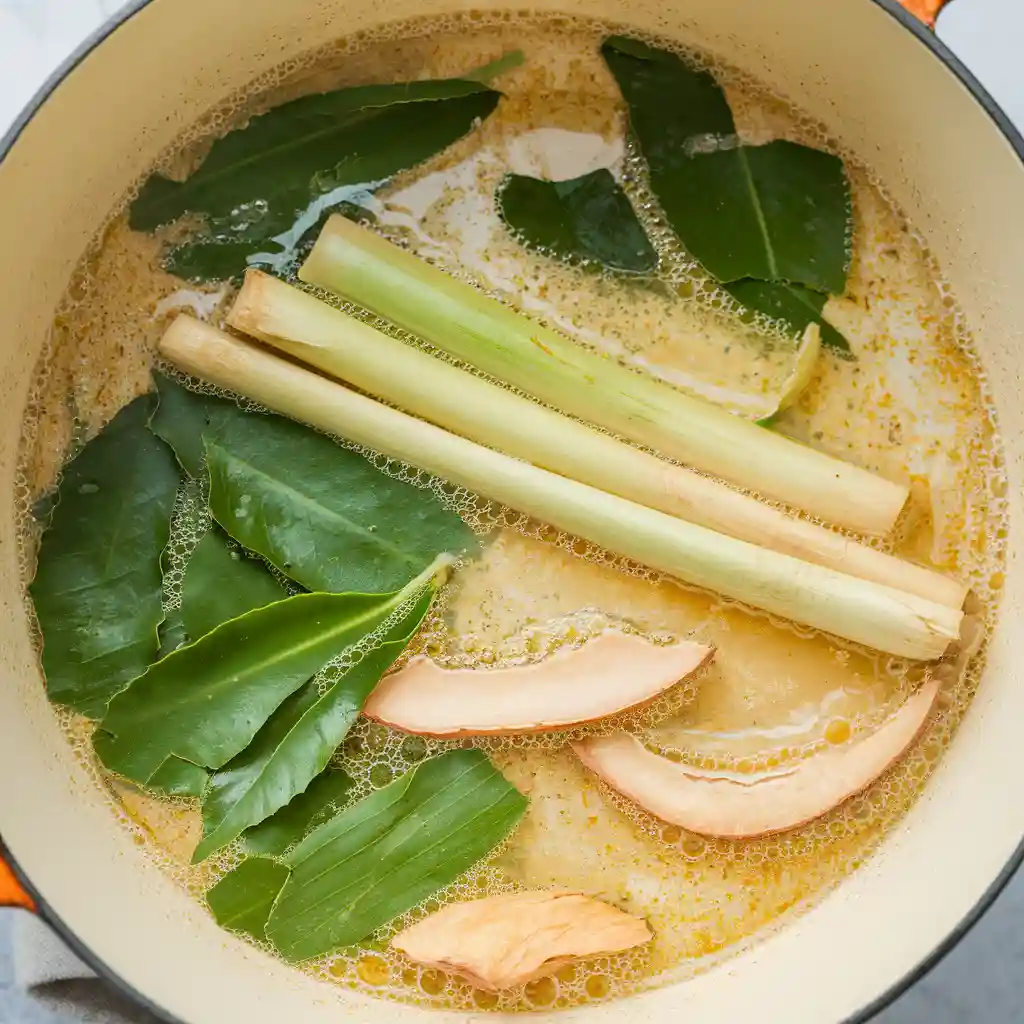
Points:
point(49, 915)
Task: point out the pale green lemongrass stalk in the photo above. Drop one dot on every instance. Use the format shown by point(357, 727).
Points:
point(321, 336)
point(355, 262)
point(858, 610)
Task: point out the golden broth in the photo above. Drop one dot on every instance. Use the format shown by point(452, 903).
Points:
point(912, 407)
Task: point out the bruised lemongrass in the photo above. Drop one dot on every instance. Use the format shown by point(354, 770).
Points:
point(368, 269)
point(858, 610)
point(321, 336)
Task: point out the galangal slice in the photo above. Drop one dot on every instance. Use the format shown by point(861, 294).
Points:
point(501, 941)
point(735, 806)
point(610, 674)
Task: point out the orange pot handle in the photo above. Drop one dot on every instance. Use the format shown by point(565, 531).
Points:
point(12, 892)
point(926, 10)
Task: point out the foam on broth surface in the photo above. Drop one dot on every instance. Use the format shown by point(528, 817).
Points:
point(912, 407)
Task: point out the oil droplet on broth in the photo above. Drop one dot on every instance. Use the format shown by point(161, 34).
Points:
point(912, 407)
point(374, 970)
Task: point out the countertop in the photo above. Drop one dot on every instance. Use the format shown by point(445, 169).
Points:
point(983, 978)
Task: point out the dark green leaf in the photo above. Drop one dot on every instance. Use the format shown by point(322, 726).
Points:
point(673, 105)
point(585, 219)
point(778, 212)
point(212, 259)
point(794, 306)
point(183, 417)
point(326, 795)
point(257, 181)
point(328, 519)
point(297, 742)
point(173, 777)
point(383, 855)
point(98, 588)
point(223, 256)
point(323, 514)
point(221, 583)
point(207, 701)
point(172, 634)
point(242, 899)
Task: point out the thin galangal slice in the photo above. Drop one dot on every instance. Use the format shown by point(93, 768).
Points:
point(501, 941)
point(612, 673)
point(736, 806)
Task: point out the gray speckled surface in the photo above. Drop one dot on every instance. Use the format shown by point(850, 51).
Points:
point(983, 978)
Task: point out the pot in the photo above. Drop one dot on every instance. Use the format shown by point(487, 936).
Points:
point(881, 83)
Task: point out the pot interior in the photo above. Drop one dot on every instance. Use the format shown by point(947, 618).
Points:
point(928, 141)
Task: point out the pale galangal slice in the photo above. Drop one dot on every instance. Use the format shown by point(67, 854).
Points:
point(501, 941)
point(737, 806)
point(612, 673)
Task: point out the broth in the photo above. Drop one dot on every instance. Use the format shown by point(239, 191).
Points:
point(913, 407)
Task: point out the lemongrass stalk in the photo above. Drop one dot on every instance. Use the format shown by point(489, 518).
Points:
point(858, 610)
point(319, 335)
point(357, 263)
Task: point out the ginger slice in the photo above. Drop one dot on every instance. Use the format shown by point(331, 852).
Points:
point(507, 940)
point(741, 807)
point(612, 673)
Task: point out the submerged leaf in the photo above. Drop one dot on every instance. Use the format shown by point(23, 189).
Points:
point(584, 219)
point(777, 212)
point(257, 180)
point(354, 135)
point(173, 777)
point(184, 417)
point(211, 258)
point(323, 514)
point(176, 777)
point(220, 256)
point(793, 305)
point(506, 62)
point(242, 899)
point(672, 104)
point(98, 586)
point(207, 701)
point(325, 796)
point(221, 583)
point(385, 854)
point(297, 742)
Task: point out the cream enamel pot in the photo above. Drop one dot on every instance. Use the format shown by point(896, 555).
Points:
point(882, 84)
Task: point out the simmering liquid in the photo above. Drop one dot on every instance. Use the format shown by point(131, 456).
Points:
point(912, 407)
